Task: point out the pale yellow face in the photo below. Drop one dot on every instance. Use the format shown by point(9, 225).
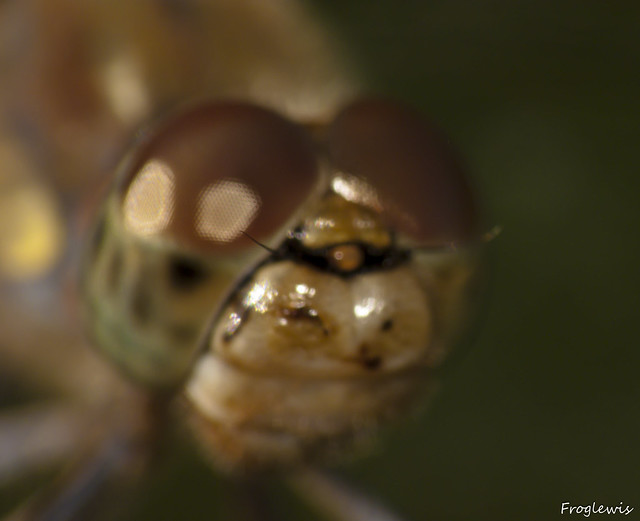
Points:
point(312, 352)
point(329, 315)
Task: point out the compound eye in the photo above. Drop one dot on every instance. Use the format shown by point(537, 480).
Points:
point(411, 174)
point(211, 175)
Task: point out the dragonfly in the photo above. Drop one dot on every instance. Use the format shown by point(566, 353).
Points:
point(277, 261)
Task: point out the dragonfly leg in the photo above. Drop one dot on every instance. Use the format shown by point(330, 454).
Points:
point(252, 502)
point(118, 452)
point(36, 437)
point(337, 500)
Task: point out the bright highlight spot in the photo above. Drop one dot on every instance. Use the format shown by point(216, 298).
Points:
point(260, 296)
point(233, 323)
point(303, 289)
point(323, 223)
point(356, 190)
point(226, 209)
point(148, 205)
point(125, 89)
point(32, 232)
point(368, 306)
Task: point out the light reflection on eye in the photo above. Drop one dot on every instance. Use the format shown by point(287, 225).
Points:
point(225, 210)
point(368, 306)
point(148, 205)
point(356, 190)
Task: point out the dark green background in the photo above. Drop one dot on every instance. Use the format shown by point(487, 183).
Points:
point(543, 100)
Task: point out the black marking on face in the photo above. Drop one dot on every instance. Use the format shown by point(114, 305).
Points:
point(387, 325)
point(368, 360)
point(304, 313)
point(374, 258)
point(185, 274)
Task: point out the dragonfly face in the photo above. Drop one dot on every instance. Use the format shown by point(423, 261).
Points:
point(307, 344)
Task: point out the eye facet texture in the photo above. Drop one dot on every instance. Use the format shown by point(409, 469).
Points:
point(416, 177)
point(217, 172)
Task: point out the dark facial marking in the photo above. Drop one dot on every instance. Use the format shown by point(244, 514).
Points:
point(185, 274)
point(368, 360)
point(372, 258)
point(387, 325)
point(304, 313)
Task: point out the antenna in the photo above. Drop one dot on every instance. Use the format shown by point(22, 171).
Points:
point(270, 250)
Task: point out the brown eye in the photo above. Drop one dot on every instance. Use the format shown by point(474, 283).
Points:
point(416, 177)
point(217, 172)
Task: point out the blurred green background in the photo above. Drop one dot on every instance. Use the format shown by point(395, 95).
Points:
point(542, 98)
